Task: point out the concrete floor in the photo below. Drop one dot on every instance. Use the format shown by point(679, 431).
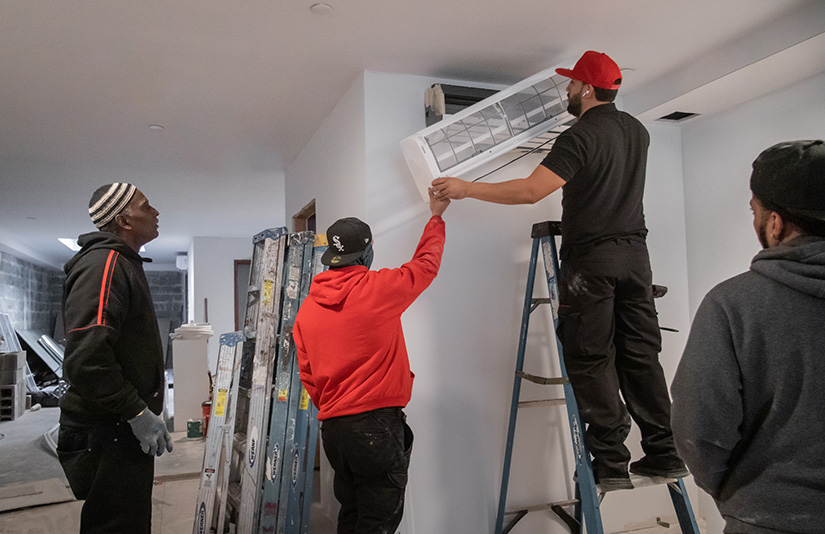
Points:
point(26, 459)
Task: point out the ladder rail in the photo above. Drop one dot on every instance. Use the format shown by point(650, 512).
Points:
point(279, 418)
point(320, 246)
point(684, 513)
point(213, 477)
point(229, 438)
point(511, 428)
point(585, 481)
point(268, 319)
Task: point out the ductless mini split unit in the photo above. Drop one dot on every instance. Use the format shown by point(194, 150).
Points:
point(487, 129)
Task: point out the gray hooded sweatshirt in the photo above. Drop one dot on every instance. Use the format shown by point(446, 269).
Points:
point(749, 394)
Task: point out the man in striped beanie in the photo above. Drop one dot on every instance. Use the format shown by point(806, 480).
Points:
point(110, 424)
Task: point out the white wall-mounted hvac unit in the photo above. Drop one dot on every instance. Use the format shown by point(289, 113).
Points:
point(487, 129)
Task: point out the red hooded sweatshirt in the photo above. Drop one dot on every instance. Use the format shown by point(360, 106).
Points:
point(348, 335)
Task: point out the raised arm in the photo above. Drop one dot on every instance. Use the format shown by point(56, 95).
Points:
point(541, 182)
point(437, 204)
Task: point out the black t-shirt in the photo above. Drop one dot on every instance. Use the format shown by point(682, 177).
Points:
point(602, 158)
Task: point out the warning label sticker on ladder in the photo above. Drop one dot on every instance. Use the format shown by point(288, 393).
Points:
point(304, 399)
point(220, 402)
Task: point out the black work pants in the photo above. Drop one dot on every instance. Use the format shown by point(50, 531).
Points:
point(370, 453)
point(105, 466)
point(611, 340)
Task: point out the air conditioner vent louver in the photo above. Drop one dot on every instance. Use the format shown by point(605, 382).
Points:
point(483, 131)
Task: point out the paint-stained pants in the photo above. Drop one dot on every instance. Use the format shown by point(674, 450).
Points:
point(611, 340)
point(106, 468)
point(370, 454)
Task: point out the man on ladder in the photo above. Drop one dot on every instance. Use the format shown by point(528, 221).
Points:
point(608, 324)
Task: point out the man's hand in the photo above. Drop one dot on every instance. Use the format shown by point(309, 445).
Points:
point(541, 182)
point(448, 187)
point(151, 431)
point(437, 205)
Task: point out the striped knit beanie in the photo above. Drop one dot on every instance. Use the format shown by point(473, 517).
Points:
point(108, 201)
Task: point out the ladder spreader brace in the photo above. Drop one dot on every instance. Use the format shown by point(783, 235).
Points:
point(586, 516)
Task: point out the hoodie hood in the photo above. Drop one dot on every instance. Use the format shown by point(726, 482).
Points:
point(332, 287)
point(800, 265)
point(101, 240)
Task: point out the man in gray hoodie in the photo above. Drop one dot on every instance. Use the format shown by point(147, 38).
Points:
point(749, 393)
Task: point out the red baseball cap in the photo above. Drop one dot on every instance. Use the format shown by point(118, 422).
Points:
point(597, 69)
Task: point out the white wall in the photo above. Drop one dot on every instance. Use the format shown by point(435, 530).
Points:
point(330, 169)
point(718, 152)
point(212, 277)
point(462, 334)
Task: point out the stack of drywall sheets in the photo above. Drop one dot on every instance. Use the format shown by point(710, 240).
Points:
point(12, 385)
point(12, 372)
point(8, 338)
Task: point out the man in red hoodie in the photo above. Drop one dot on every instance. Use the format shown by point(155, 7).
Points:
point(354, 365)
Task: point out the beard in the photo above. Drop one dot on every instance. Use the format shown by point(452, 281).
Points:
point(574, 105)
point(762, 232)
point(763, 237)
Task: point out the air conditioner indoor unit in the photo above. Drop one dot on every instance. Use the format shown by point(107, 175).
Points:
point(485, 130)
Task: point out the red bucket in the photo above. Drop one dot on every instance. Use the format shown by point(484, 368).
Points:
point(207, 409)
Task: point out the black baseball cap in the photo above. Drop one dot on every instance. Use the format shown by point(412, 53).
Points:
point(347, 238)
point(791, 176)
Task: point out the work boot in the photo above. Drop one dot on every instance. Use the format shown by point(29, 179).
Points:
point(666, 466)
point(611, 479)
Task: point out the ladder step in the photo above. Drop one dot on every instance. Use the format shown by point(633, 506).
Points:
point(546, 228)
point(557, 507)
point(546, 402)
point(534, 303)
point(641, 482)
point(239, 443)
point(233, 495)
point(559, 380)
point(541, 507)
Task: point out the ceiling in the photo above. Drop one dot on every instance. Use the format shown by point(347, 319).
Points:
point(240, 87)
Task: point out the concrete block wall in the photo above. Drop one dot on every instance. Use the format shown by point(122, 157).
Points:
point(169, 294)
point(30, 294)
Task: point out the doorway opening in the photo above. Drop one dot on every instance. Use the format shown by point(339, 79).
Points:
point(304, 220)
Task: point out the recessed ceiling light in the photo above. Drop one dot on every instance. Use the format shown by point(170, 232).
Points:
point(74, 247)
point(155, 127)
point(320, 9)
point(71, 243)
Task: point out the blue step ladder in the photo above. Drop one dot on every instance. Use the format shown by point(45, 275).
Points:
point(586, 516)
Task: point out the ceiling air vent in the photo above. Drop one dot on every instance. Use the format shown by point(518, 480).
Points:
point(678, 116)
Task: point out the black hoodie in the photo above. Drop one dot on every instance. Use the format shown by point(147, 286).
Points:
point(114, 358)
